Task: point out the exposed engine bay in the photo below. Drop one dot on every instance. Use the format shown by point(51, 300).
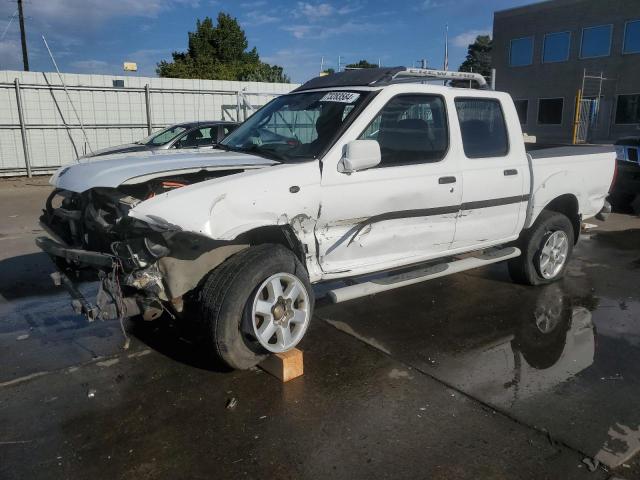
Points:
point(141, 268)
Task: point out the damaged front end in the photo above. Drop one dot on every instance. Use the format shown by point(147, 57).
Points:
point(94, 238)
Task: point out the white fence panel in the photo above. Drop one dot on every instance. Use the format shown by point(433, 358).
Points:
point(110, 114)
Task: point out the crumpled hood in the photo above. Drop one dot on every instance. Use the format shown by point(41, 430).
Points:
point(136, 167)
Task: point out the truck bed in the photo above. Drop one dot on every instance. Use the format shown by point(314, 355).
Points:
point(583, 171)
point(568, 150)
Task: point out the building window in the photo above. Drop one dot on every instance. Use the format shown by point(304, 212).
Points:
point(550, 111)
point(628, 109)
point(556, 47)
point(484, 132)
point(632, 37)
point(522, 107)
point(521, 52)
point(596, 41)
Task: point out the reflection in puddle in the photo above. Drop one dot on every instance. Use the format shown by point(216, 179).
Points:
point(551, 344)
point(623, 443)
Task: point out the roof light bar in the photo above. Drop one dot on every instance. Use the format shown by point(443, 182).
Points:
point(441, 74)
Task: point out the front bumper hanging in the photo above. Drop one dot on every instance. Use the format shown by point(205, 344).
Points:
point(76, 255)
point(111, 304)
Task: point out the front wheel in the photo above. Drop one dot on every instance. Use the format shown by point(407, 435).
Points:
point(258, 301)
point(546, 249)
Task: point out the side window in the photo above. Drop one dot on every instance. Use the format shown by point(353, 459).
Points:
point(197, 137)
point(484, 133)
point(410, 129)
point(228, 129)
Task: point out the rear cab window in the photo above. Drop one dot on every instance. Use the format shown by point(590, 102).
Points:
point(483, 128)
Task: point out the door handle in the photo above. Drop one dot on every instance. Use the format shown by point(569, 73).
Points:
point(510, 171)
point(445, 180)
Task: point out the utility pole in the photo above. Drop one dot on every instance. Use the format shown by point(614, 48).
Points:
point(23, 37)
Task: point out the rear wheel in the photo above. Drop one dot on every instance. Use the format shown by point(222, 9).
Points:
point(258, 301)
point(546, 249)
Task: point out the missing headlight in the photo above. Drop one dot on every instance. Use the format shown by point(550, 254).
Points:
point(156, 249)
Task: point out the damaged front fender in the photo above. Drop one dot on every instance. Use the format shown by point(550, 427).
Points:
point(224, 208)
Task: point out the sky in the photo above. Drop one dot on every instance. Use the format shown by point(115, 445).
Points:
point(97, 36)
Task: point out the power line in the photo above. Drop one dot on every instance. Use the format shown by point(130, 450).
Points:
point(4, 34)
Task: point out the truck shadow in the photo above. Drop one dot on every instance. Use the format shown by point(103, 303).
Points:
point(178, 340)
point(26, 275)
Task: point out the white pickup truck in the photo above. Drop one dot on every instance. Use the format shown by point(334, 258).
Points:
point(376, 177)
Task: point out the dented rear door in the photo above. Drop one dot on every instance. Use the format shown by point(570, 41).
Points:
point(495, 178)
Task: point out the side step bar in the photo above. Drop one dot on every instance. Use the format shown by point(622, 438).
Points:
point(423, 274)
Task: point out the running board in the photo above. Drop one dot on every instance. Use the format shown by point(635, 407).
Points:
point(392, 282)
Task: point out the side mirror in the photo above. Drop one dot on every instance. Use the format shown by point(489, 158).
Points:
point(360, 155)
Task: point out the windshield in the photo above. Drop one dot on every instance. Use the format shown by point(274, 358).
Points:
point(163, 136)
point(297, 126)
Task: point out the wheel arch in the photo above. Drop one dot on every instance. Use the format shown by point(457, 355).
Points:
point(279, 234)
point(184, 270)
point(569, 206)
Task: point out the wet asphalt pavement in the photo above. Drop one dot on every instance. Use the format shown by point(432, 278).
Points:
point(468, 376)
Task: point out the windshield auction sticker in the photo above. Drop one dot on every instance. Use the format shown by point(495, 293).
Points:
point(342, 97)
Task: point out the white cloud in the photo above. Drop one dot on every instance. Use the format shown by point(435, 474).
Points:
point(464, 39)
point(299, 31)
point(69, 24)
point(313, 12)
point(429, 5)
point(99, 67)
point(320, 31)
point(345, 9)
point(257, 18)
point(82, 15)
point(257, 3)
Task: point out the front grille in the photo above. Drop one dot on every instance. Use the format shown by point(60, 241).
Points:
point(633, 154)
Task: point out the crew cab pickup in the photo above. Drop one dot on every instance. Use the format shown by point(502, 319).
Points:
point(374, 177)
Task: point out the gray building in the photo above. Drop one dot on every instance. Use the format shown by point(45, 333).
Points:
point(545, 53)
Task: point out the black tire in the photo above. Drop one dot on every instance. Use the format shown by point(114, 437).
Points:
point(226, 298)
point(621, 201)
point(635, 205)
point(524, 269)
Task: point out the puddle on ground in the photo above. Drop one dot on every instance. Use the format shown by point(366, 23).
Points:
point(42, 333)
point(563, 357)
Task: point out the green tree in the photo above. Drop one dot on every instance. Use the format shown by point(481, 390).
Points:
point(219, 52)
point(329, 71)
point(362, 64)
point(479, 56)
